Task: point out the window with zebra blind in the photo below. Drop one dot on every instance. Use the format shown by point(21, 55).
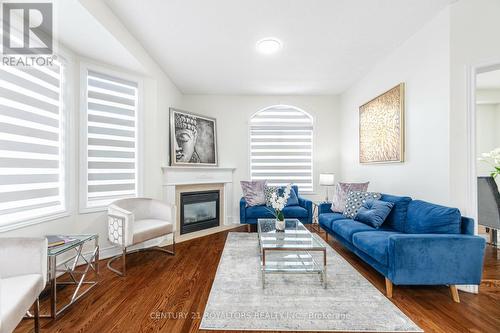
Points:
point(33, 177)
point(281, 147)
point(110, 152)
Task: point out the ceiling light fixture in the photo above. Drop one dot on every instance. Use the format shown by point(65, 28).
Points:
point(268, 45)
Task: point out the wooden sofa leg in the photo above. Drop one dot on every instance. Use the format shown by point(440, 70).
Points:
point(454, 293)
point(388, 288)
point(248, 227)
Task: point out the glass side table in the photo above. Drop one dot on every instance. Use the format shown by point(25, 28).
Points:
point(78, 275)
point(315, 208)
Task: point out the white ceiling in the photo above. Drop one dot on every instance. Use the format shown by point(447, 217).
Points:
point(208, 47)
point(79, 31)
point(488, 80)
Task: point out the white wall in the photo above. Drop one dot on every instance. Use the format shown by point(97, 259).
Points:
point(233, 112)
point(473, 41)
point(422, 62)
point(159, 94)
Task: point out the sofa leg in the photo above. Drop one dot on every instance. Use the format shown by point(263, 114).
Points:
point(248, 228)
point(326, 236)
point(388, 288)
point(454, 293)
point(36, 315)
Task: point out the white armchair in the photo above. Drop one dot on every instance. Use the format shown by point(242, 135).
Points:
point(136, 220)
point(23, 275)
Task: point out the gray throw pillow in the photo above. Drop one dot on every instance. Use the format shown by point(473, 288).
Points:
point(341, 192)
point(253, 192)
point(355, 201)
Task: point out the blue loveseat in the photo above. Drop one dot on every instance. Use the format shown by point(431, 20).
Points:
point(419, 243)
point(302, 211)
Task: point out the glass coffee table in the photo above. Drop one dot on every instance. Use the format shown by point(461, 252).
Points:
point(296, 250)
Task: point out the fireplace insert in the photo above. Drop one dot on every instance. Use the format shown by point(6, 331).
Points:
point(199, 210)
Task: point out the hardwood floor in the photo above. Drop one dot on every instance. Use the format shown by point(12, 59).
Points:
point(167, 294)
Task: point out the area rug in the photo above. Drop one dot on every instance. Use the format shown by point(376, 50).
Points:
point(289, 302)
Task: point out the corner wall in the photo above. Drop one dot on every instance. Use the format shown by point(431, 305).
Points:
point(233, 114)
point(422, 62)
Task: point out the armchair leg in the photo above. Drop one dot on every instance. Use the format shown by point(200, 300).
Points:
point(123, 255)
point(388, 287)
point(454, 293)
point(36, 315)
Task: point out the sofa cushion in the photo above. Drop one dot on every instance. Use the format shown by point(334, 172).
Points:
point(347, 227)
point(355, 200)
point(428, 218)
point(258, 212)
point(374, 243)
point(295, 211)
point(326, 219)
point(397, 218)
point(18, 294)
point(342, 191)
point(374, 212)
point(253, 192)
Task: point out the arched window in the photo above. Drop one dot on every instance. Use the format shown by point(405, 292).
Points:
point(281, 147)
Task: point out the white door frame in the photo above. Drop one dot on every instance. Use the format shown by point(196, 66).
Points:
point(472, 72)
point(472, 205)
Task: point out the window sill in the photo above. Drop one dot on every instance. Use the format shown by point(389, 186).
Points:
point(90, 210)
point(38, 220)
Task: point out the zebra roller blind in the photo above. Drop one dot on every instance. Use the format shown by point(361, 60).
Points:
point(32, 163)
point(111, 138)
point(281, 147)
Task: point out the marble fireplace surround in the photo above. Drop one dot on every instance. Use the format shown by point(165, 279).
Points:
point(178, 179)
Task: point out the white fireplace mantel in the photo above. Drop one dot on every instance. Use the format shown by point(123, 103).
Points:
point(186, 175)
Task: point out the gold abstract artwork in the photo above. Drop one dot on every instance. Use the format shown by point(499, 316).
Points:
point(381, 128)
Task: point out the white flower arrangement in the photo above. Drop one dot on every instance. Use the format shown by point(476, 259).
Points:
point(279, 202)
point(493, 159)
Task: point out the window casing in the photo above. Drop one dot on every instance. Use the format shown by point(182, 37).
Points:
point(281, 147)
point(33, 145)
point(110, 142)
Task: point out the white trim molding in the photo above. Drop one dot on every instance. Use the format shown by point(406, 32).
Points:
point(471, 186)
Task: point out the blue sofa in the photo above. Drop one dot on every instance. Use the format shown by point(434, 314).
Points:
point(419, 243)
point(303, 211)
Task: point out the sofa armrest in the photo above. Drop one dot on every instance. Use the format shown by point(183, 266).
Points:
point(325, 207)
point(20, 256)
point(307, 204)
point(435, 259)
point(243, 210)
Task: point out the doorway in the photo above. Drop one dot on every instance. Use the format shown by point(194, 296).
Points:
point(487, 147)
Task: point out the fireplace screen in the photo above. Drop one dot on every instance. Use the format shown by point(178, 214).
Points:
point(199, 210)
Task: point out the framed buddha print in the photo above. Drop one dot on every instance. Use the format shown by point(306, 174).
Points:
point(193, 139)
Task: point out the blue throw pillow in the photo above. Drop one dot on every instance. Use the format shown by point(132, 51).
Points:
point(293, 200)
point(374, 212)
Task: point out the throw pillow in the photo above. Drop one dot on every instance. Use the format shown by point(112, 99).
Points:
point(253, 192)
point(293, 200)
point(355, 200)
point(374, 212)
point(341, 192)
